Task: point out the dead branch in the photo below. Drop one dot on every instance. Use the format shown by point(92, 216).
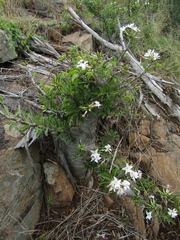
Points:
point(45, 61)
point(44, 47)
point(12, 78)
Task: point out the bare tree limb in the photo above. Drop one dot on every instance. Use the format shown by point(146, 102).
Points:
point(39, 46)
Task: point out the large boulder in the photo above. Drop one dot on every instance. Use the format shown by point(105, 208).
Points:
point(20, 189)
point(7, 51)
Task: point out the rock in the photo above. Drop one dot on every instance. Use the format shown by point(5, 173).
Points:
point(161, 160)
point(155, 227)
point(84, 40)
point(20, 191)
point(136, 216)
point(108, 201)
point(7, 51)
point(138, 141)
point(60, 190)
point(144, 127)
point(54, 33)
point(160, 130)
point(165, 167)
point(143, 158)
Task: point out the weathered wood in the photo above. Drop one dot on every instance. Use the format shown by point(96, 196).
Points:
point(12, 77)
point(44, 47)
point(45, 61)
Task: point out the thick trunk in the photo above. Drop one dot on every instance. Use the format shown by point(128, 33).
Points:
point(86, 134)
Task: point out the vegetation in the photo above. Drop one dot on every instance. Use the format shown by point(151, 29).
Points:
point(97, 83)
point(158, 21)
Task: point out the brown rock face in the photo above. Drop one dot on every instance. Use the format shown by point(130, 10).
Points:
point(60, 191)
point(161, 152)
point(136, 216)
point(84, 40)
point(138, 141)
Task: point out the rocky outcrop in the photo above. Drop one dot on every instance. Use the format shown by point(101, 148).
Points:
point(156, 146)
point(7, 51)
point(20, 190)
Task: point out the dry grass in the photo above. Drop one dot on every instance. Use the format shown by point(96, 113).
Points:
point(89, 220)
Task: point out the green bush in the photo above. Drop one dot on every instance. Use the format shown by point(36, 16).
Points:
point(16, 39)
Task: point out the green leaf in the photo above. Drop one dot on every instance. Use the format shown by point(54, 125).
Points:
point(75, 76)
point(46, 132)
point(6, 109)
point(1, 100)
point(89, 74)
point(39, 132)
point(144, 64)
point(23, 128)
point(17, 112)
point(12, 126)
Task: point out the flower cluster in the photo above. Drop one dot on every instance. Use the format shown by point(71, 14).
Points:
point(131, 26)
point(89, 107)
point(119, 186)
point(151, 55)
point(95, 156)
point(133, 174)
point(171, 212)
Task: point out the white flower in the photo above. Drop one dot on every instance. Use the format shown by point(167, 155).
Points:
point(152, 55)
point(120, 191)
point(173, 213)
point(83, 64)
point(108, 148)
point(132, 26)
point(151, 196)
point(96, 104)
point(95, 156)
point(134, 175)
point(148, 215)
point(115, 184)
point(126, 184)
point(119, 187)
point(127, 168)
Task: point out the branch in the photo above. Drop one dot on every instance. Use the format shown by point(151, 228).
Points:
point(77, 19)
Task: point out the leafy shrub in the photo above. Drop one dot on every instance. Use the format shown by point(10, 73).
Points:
point(14, 34)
